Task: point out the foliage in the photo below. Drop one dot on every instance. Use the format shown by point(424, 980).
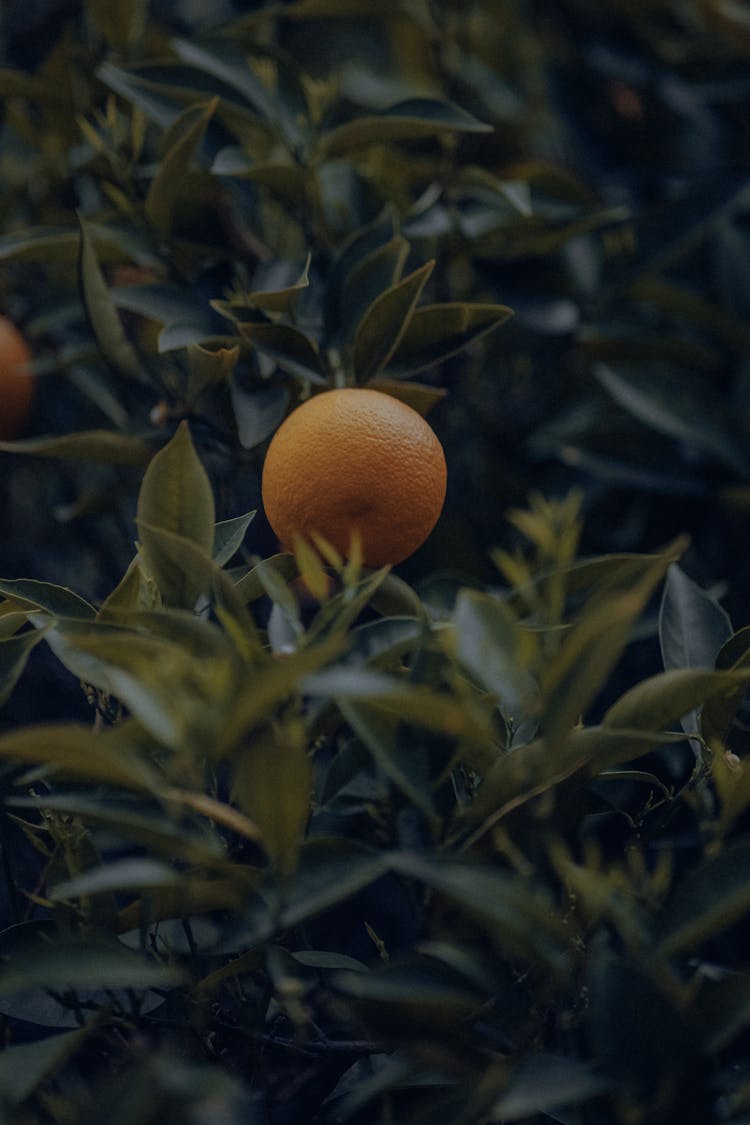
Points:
point(286, 839)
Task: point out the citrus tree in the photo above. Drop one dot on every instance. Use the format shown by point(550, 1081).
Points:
point(289, 835)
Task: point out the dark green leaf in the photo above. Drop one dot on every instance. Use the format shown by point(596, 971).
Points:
point(659, 701)
point(56, 600)
point(373, 274)
point(292, 349)
point(436, 332)
point(118, 875)
point(14, 653)
point(228, 537)
point(176, 494)
point(258, 412)
point(385, 321)
point(544, 1083)
point(416, 117)
point(707, 901)
point(105, 447)
point(79, 965)
point(76, 749)
point(718, 713)
point(101, 313)
point(167, 187)
point(25, 1066)
point(122, 22)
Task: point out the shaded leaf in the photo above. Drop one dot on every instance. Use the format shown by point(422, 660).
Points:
point(228, 537)
point(118, 875)
point(14, 653)
point(416, 117)
point(176, 494)
point(437, 332)
point(258, 412)
point(56, 600)
point(292, 349)
point(708, 900)
point(186, 134)
point(385, 321)
point(101, 446)
point(101, 313)
point(543, 1083)
point(76, 749)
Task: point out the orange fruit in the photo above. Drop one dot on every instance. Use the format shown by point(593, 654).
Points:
point(355, 460)
point(16, 380)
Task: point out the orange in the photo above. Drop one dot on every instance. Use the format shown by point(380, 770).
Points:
point(16, 380)
point(355, 460)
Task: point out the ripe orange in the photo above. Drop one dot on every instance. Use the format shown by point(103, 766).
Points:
point(16, 380)
point(355, 460)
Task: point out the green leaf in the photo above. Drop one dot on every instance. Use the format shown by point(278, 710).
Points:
point(122, 22)
point(269, 687)
point(385, 321)
point(330, 871)
point(146, 825)
point(226, 62)
point(118, 875)
point(488, 644)
point(85, 965)
point(14, 653)
point(721, 1010)
point(692, 629)
point(659, 701)
point(284, 181)
point(292, 349)
point(272, 784)
point(56, 600)
point(672, 406)
point(25, 1066)
point(176, 494)
point(414, 992)
point(706, 902)
point(258, 412)
point(372, 275)
point(437, 332)
point(101, 313)
point(419, 396)
point(545, 1083)
point(718, 713)
point(415, 117)
point(281, 300)
point(76, 749)
point(208, 367)
point(182, 142)
point(101, 446)
point(228, 537)
point(251, 586)
point(517, 914)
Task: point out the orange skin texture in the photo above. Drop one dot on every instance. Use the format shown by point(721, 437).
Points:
point(355, 459)
point(16, 381)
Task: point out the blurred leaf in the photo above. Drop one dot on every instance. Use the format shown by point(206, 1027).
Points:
point(518, 914)
point(418, 396)
point(545, 1083)
point(56, 600)
point(416, 992)
point(437, 332)
point(102, 446)
point(674, 407)
point(25, 1066)
point(226, 62)
point(659, 701)
point(292, 349)
point(383, 324)
point(82, 965)
point(118, 875)
point(719, 711)
point(76, 749)
point(330, 871)
point(101, 313)
point(145, 824)
point(258, 412)
point(271, 686)
point(208, 367)
point(122, 22)
point(272, 783)
point(14, 653)
point(284, 181)
point(692, 629)
point(488, 644)
point(228, 537)
point(708, 900)
point(416, 117)
point(250, 586)
point(182, 142)
point(176, 494)
point(722, 1009)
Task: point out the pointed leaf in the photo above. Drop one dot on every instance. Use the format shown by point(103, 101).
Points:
point(56, 600)
point(76, 749)
point(706, 902)
point(101, 313)
point(272, 783)
point(228, 537)
point(14, 653)
point(167, 186)
point(659, 701)
point(104, 447)
point(437, 332)
point(416, 117)
point(176, 493)
point(118, 875)
point(718, 713)
point(293, 350)
point(373, 274)
point(385, 321)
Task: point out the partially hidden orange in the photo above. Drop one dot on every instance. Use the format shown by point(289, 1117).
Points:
point(16, 380)
point(355, 460)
